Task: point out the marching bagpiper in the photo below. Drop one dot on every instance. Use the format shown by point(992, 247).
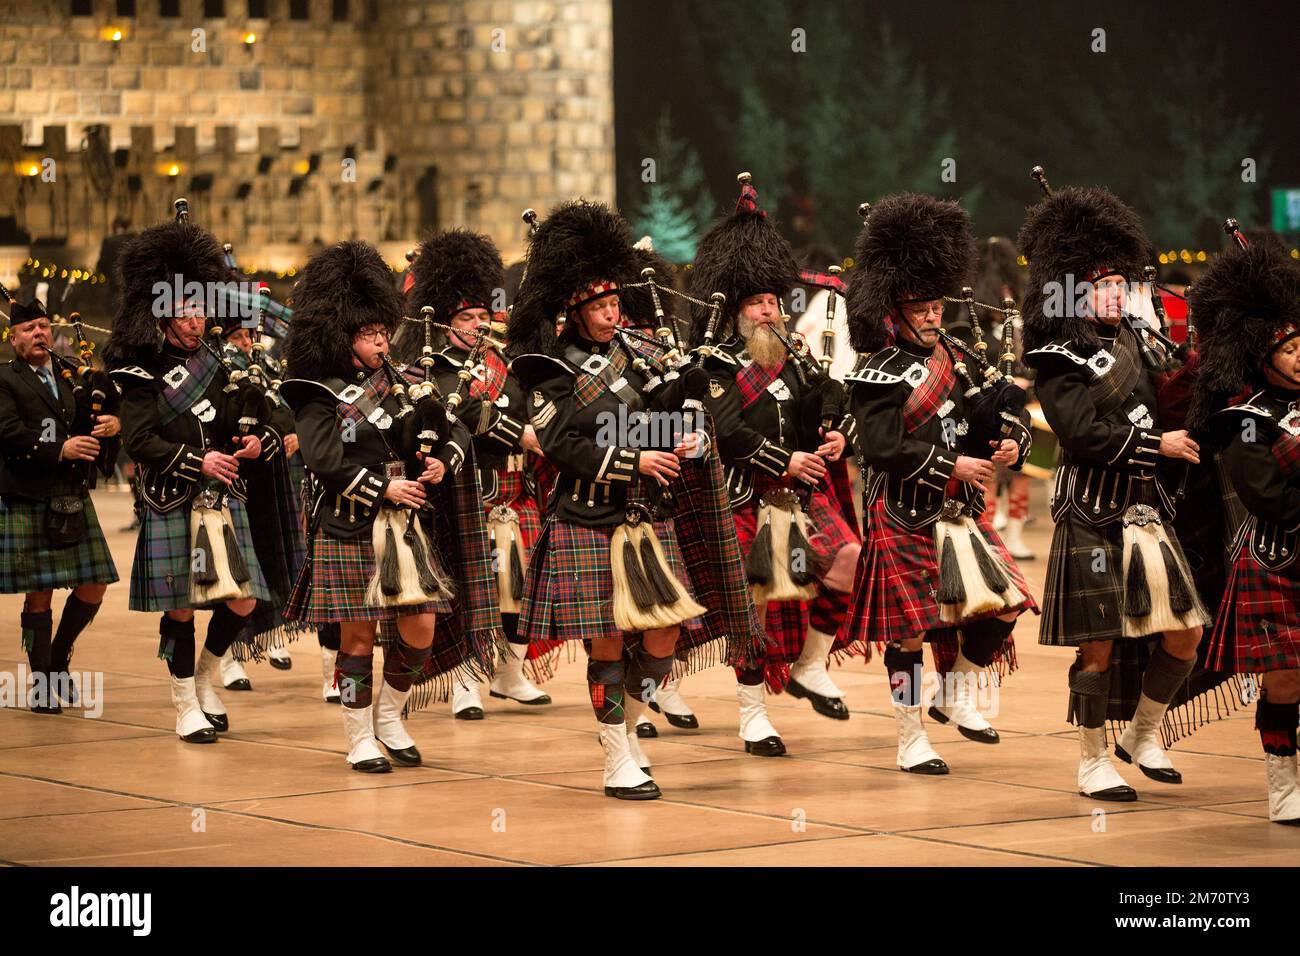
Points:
point(191, 425)
point(1247, 312)
point(635, 530)
point(458, 273)
point(382, 545)
point(783, 429)
point(51, 439)
point(1116, 575)
point(933, 568)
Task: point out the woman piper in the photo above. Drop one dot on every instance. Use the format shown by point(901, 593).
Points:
point(1247, 311)
point(370, 556)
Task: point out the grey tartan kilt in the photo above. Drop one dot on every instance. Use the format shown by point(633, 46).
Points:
point(160, 576)
point(28, 563)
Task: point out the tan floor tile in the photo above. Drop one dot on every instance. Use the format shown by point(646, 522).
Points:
point(21, 728)
point(21, 797)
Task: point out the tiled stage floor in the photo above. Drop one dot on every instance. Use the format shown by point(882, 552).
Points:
point(522, 786)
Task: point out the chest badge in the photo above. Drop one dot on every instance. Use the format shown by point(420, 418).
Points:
point(380, 419)
point(176, 376)
point(780, 390)
point(1141, 417)
point(916, 374)
point(502, 401)
point(204, 411)
point(1290, 422)
point(538, 400)
point(350, 394)
point(1101, 362)
point(716, 389)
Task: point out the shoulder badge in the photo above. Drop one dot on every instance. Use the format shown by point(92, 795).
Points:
point(716, 388)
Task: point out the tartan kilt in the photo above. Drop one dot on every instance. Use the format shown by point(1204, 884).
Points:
point(28, 563)
point(898, 576)
point(160, 574)
point(786, 622)
point(332, 585)
point(511, 492)
point(569, 587)
point(1258, 625)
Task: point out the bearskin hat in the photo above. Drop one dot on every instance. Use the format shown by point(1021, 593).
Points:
point(20, 312)
point(341, 291)
point(160, 254)
point(913, 247)
point(634, 298)
point(998, 264)
point(580, 252)
point(1246, 304)
point(456, 269)
point(1076, 235)
point(740, 256)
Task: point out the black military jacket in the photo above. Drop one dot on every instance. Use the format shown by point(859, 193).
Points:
point(33, 427)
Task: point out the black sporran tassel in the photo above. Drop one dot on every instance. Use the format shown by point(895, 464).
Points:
point(642, 595)
point(516, 570)
point(758, 566)
point(423, 569)
point(655, 573)
point(1137, 593)
point(207, 571)
point(1180, 596)
point(993, 575)
point(235, 557)
point(390, 576)
point(951, 588)
point(800, 560)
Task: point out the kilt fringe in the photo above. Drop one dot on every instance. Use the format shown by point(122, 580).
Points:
point(479, 665)
point(254, 646)
point(1180, 722)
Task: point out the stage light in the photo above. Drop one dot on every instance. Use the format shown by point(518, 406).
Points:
point(174, 170)
point(112, 34)
point(249, 39)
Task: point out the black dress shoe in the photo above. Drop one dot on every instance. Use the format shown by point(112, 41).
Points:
point(469, 713)
point(930, 768)
point(1158, 774)
point(680, 721)
point(767, 747)
point(54, 708)
point(535, 702)
point(646, 731)
point(242, 684)
point(63, 687)
point(986, 736)
point(333, 699)
point(646, 791)
point(280, 665)
point(1289, 823)
point(205, 736)
point(373, 765)
point(832, 707)
point(1114, 795)
point(409, 757)
point(220, 722)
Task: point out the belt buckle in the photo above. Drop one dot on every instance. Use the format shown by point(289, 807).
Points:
point(394, 470)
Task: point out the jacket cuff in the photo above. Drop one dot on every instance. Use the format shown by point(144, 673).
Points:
point(1141, 449)
point(271, 443)
point(771, 458)
point(452, 456)
point(366, 489)
point(848, 427)
point(507, 431)
point(936, 471)
point(187, 463)
point(619, 464)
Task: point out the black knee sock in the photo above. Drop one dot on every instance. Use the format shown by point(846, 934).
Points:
point(1164, 675)
point(982, 640)
point(905, 669)
point(510, 624)
point(176, 646)
point(36, 628)
point(354, 675)
point(605, 682)
point(1089, 693)
point(223, 628)
point(645, 674)
point(749, 678)
point(403, 664)
point(1276, 724)
point(76, 617)
point(329, 636)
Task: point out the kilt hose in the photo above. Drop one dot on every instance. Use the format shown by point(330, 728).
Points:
point(332, 585)
point(1083, 595)
point(1258, 625)
point(787, 622)
point(160, 574)
point(896, 583)
point(28, 563)
point(512, 492)
point(569, 589)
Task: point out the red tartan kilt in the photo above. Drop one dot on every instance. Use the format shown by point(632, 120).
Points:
point(332, 585)
point(1258, 625)
point(893, 591)
point(511, 492)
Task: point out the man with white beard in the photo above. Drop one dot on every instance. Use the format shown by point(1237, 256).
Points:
point(782, 435)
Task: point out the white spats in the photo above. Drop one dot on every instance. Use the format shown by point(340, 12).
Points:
point(190, 722)
point(232, 673)
point(1098, 777)
point(358, 725)
point(915, 754)
point(1283, 789)
point(957, 700)
point(510, 681)
point(633, 708)
point(328, 661)
point(670, 700)
point(387, 710)
point(810, 669)
point(1140, 741)
point(205, 674)
point(754, 723)
point(465, 697)
point(1014, 538)
point(621, 771)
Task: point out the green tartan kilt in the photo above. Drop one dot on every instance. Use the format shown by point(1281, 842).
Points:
point(160, 576)
point(28, 563)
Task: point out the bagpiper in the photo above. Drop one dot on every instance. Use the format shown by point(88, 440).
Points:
point(635, 543)
point(193, 427)
point(54, 438)
point(783, 431)
point(458, 274)
point(1247, 397)
point(1118, 588)
point(929, 436)
point(394, 522)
